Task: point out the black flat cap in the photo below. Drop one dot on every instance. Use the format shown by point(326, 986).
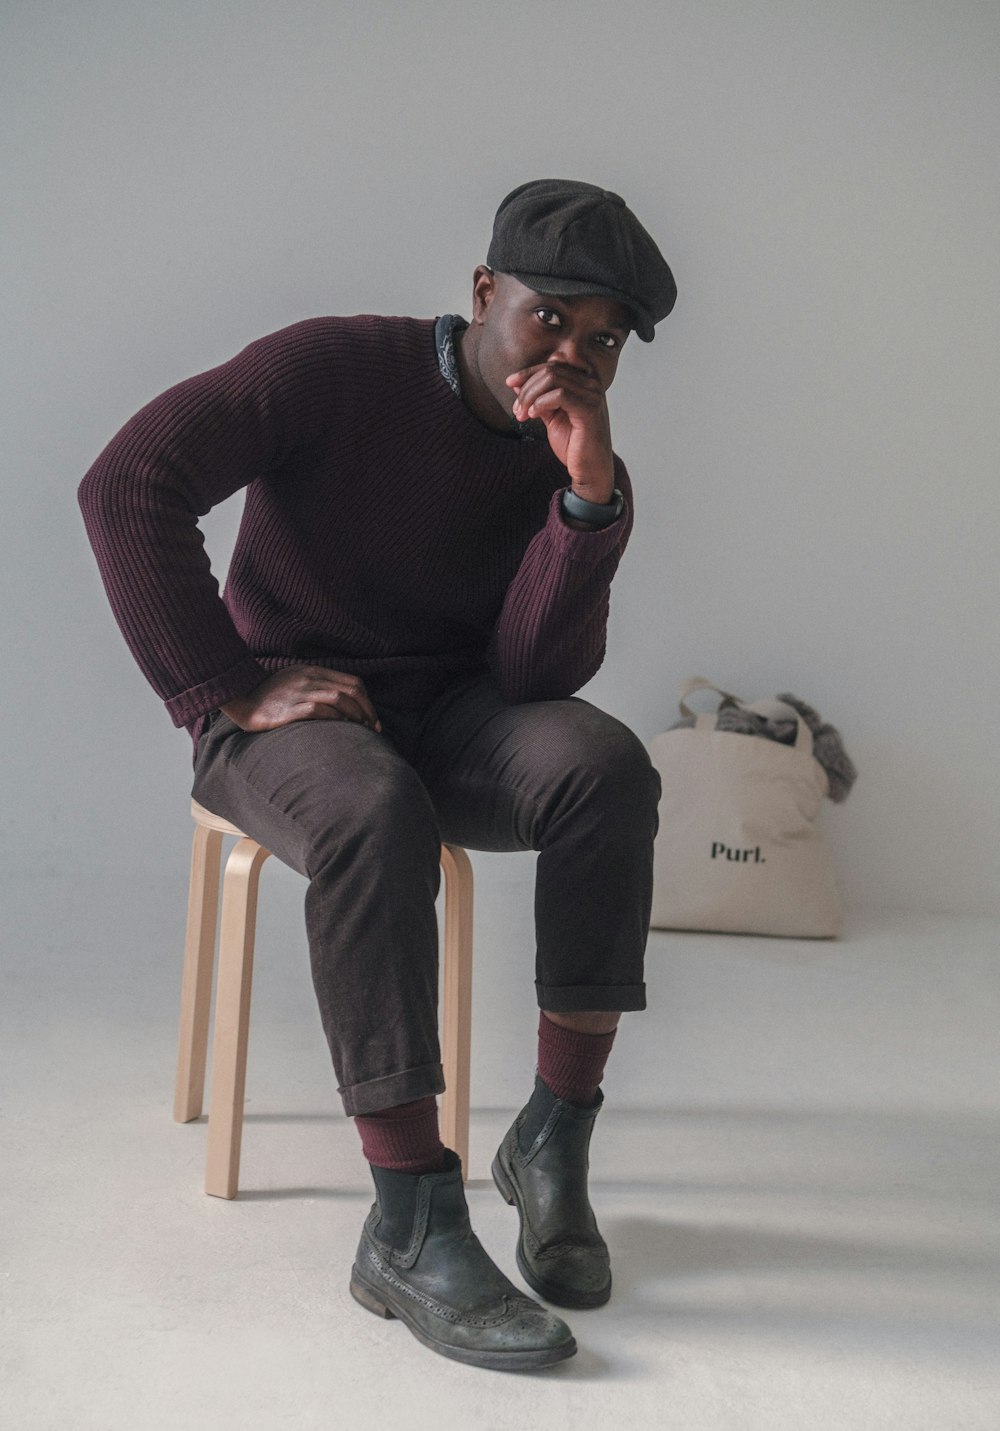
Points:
point(562, 236)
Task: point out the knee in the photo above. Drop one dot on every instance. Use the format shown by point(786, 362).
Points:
point(397, 800)
point(609, 761)
point(619, 762)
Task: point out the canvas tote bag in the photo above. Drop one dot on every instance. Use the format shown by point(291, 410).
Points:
point(738, 849)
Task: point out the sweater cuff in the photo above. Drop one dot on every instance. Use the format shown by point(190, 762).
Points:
point(588, 546)
point(239, 680)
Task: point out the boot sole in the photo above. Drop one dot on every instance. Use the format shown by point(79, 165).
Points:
point(559, 1296)
point(379, 1301)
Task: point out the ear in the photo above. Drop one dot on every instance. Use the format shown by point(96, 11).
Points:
point(484, 287)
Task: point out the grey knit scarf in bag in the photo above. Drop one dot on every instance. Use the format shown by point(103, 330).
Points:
point(828, 747)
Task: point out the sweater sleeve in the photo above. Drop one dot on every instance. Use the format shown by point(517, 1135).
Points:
point(178, 457)
point(552, 632)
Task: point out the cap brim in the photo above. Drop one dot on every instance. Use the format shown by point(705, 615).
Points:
point(574, 287)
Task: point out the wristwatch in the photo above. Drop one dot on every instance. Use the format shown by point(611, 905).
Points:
point(599, 514)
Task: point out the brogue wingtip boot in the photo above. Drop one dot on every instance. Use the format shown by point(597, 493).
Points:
point(419, 1260)
point(560, 1252)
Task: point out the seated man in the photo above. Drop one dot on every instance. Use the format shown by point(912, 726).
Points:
point(433, 518)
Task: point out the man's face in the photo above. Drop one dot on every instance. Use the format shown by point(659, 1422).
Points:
point(523, 329)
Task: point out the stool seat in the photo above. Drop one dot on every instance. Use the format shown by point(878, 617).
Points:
point(235, 976)
point(205, 817)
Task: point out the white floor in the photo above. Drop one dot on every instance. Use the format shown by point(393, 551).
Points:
point(811, 1243)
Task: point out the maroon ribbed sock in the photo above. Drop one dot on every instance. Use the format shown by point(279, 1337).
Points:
point(404, 1138)
point(571, 1064)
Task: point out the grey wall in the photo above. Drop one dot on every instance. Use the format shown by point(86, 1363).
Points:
point(812, 437)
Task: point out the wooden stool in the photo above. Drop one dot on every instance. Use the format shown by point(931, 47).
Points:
point(232, 996)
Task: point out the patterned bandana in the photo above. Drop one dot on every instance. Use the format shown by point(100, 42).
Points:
point(446, 330)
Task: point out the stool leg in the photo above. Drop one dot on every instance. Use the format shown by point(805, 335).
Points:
point(457, 1001)
point(199, 959)
point(232, 1017)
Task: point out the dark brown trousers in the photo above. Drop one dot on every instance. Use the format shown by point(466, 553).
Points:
point(362, 815)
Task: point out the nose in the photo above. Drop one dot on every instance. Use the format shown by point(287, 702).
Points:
point(570, 350)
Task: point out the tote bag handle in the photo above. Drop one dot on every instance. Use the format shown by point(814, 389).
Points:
point(698, 683)
point(769, 708)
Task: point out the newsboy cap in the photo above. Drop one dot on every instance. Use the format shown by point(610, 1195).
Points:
point(562, 236)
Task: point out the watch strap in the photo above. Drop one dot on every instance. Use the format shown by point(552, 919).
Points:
point(599, 514)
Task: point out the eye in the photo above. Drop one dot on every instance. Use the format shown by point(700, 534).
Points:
point(549, 317)
point(608, 340)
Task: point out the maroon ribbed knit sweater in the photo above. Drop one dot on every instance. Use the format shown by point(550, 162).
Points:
point(386, 531)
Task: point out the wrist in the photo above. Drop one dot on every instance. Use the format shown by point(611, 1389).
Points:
point(236, 709)
point(594, 481)
point(599, 491)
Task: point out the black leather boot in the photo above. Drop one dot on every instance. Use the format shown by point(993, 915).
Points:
point(419, 1260)
point(541, 1166)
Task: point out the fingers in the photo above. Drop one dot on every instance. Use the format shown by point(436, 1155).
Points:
point(553, 386)
point(338, 705)
point(335, 695)
point(303, 693)
point(554, 369)
point(518, 379)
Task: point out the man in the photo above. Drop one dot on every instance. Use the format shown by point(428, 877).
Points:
point(433, 518)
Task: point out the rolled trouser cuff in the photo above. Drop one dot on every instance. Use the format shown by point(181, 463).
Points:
point(392, 1088)
point(601, 998)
